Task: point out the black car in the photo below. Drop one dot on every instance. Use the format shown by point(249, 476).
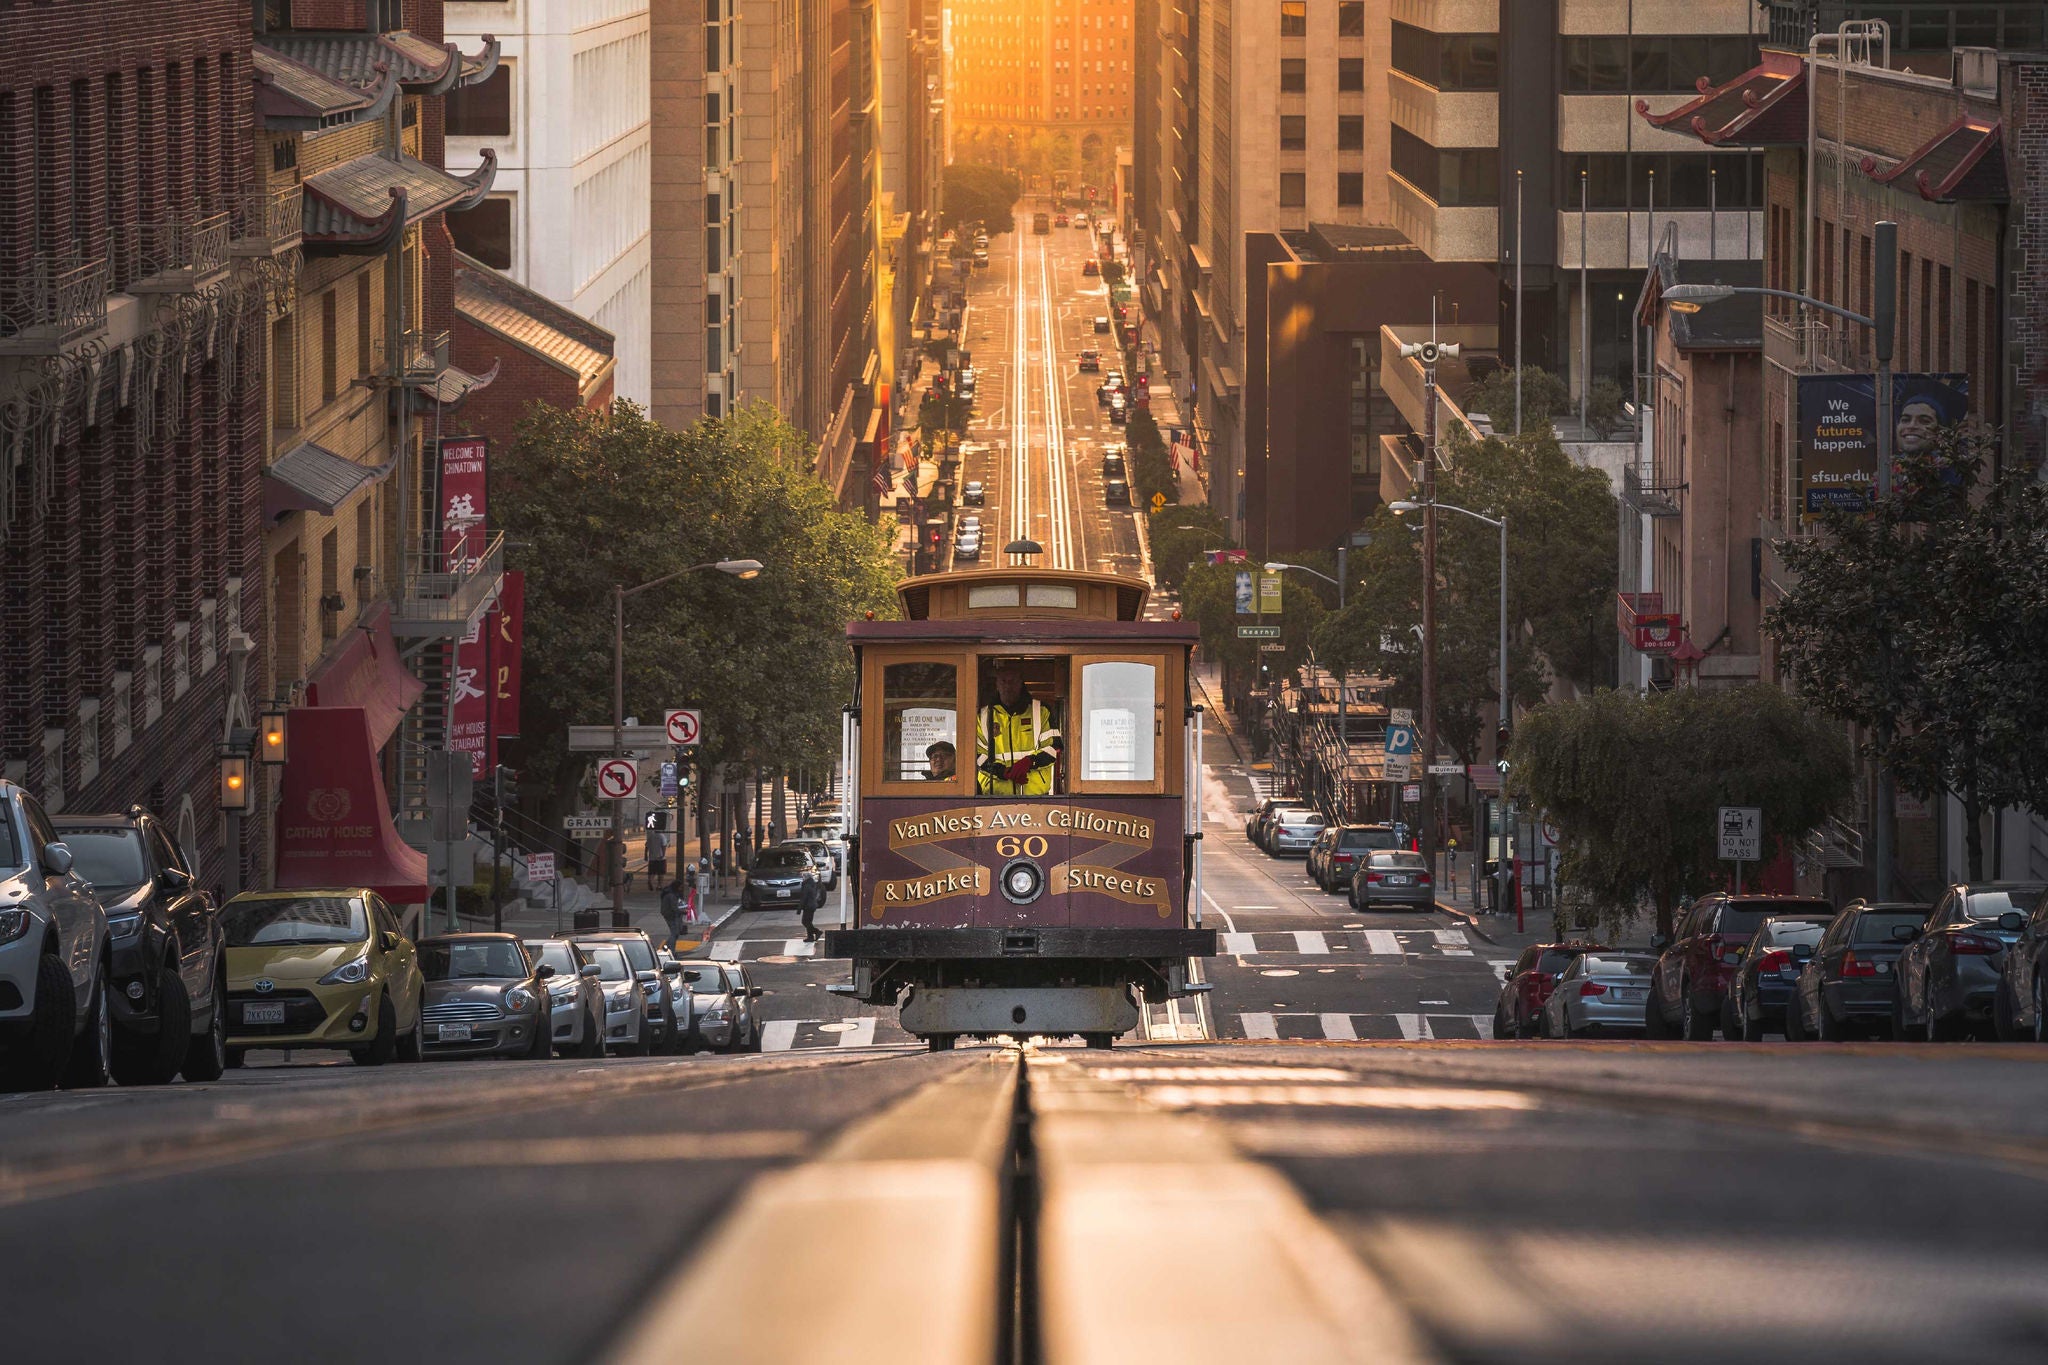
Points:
point(2020, 1010)
point(1762, 991)
point(1335, 856)
point(170, 955)
point(1847, 987)
point(1113, 463)
point(1948, 977)
point(1116, 493)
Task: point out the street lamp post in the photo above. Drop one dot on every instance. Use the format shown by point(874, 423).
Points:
point(1343, 682)
point(616, 859)
point(1428, 353)
point(1500, 523)
point(1883, 324)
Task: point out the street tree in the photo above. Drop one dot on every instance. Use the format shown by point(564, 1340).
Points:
point(1208, 597)
point(590, 499)
point(1179, 534)
point(974, 192)
point(1924, 623)
point(1151, 468)
point(1635, 784)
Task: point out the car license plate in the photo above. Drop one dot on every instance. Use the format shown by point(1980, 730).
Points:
point(1884, 969)
point(785, 893)
point(263, 1014)
point(1397, 881)
point(1629, 997)
point(456, 1033)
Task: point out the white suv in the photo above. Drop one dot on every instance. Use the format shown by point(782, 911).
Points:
point(56, 1023)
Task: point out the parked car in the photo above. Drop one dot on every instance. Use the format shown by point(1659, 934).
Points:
point(325, 968)
point(973, 493)
point(484, 998)
point(1948, 977)
point(966, 381)
point(1116, 493)
point(1294, 829)
point(981, 258)
point(625, 1020)
point(2019, 1011)
point(781, 877)
point(668, 1016)
point(1768, 974)
point(575, 997)
point(1091, 267)
point(1113, 463)
point(821, 857)
point(1695, 966)
point(1102, 325)
point(1080, 220)
point(1848, 986)
point(169, 959)
point(967, 547)
point(1091, 361)
point(1600, 992)
point(1257, 820)
point(56, 1018)
point(1529, 984)
point(1396, 878)
point(1061, 220)
point(1335, 855)
point(726, 1002)
point(1119, 411)
point(970, 521)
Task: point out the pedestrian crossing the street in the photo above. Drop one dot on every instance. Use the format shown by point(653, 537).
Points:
point(1347, 943)
point(803, 1035)
point(1353, 1027)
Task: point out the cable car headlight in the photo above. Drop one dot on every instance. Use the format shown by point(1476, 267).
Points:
point(1022, 881)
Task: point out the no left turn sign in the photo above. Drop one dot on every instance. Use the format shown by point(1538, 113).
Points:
point(617, 778)
point(684, 726)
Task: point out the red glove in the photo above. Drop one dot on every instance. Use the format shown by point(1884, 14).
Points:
point(1020, 770)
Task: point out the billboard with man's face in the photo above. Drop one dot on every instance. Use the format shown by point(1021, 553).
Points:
point(1838, 432)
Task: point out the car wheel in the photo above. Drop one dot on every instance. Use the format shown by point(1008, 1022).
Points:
point(155, 1058)
point(1103, 1041)
point(92, 1056)
point(2004, 1027)
point(1543, 1024)
point(1655, 1025)
point(593, 1038)
point(638, 1045)
point(1694, 1024)
point(207, 1057)
point(412, 1045)
point(380, 1049)
point(1945, 1028)
point(40, 1057)
point(1502, 1030)
point(1732, 1021)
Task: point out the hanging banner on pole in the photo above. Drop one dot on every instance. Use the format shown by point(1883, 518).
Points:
point(464, 490)
point(470, 709)
point(508, 638)
point(1838, 432)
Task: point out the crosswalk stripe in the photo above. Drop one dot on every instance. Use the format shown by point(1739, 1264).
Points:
point(862, 1034)
point(796, 947)
point(1238, 944)
point(1338, 1026)
point(1414, 1027)
point(726, 951)
point(1260, 1026)
point(1310, 941)
point(1383, 941)
point(778, 1034)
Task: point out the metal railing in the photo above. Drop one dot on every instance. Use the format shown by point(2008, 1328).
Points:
point(1649, 491)
point(269, 221)
point(1819, 344)
point(58, 301)
point(170, 257)
point(447, 582)
point(423, 355)
point(1834, 843)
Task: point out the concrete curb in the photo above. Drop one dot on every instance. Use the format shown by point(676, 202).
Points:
point(1473, 921)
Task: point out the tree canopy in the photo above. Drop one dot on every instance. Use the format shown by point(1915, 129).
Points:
point(977, 193)
point(590, 499)
point(1635, 785)
point(1924, 622)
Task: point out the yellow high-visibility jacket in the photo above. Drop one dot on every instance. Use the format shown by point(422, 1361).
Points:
point(1002, 736)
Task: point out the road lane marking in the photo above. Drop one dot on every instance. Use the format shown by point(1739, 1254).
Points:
point(862, 1034)
point(1239, 945)
point(1310, 941)
point(797, 947)
point(1221, 1073)
point(727, 951)
point(1338, 1027)
point(1260, 1026)
point(778, 1034)
point(1414, 1027)
point(1383, 941)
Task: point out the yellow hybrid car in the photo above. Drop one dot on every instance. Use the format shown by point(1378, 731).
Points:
point(321, 969)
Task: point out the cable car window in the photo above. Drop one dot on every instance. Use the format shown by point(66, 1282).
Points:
point(920, 718)
point(992, 595)
point(1118, 706)
point(1052, 595)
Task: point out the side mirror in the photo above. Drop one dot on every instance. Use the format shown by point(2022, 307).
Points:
point(56, 859)
point(591, 970)
point(389, 941)
point(672, 968)
point(174, 879)
point(1913, 933)
point(2012, 922)
point(543, 972)
point(753, 992)
point(647, 974)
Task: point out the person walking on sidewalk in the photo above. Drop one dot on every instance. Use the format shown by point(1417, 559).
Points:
point(672, 910)
point(657, 857)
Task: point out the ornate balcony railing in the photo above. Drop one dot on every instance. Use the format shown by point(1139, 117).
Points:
point(58, 302)
point(176, 256)
point(269, 221)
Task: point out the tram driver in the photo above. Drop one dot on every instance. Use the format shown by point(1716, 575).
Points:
point(1017, 738)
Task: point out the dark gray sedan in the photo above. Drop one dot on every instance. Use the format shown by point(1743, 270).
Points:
point(1948, 976)
point(484, 997)
point(1848, 986)
point(1397, 878)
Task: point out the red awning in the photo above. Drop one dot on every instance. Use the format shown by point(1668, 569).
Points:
point(334, 825)
point(365, 671)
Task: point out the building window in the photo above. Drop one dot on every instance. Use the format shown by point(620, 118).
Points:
point(284, 375)
point(1294, 18)
point(330, 375)
point(485, 232)
point(483, 110)
point(1350, 132)
point(1680, 180)
point(1350, 189)
point(1350, 74)
point(1293, 190)
point(1453, 177)
point(1350, 18)
point(1293, 75)
point(1447, 61)
point(1293, 132)
point(1652, 63)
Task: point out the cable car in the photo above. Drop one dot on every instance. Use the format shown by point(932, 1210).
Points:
point(1048, 899)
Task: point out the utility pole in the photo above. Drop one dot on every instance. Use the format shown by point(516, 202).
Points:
point(1884, 309)
point(1428, 352)
point(1343, 703)
point(615, 855)
point(1518, 303)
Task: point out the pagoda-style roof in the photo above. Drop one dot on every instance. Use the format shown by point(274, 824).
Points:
point(292, 95)
point(538, 325)
point(422, 66)
point(360, 206)
point(1964, 162)
point(1763, 107)
point(454, 384)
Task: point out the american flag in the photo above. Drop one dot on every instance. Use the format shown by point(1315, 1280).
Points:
point(882, 474)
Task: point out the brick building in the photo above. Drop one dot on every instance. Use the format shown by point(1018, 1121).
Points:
point(537, 351)
point(135, 274)
point(1042, 84)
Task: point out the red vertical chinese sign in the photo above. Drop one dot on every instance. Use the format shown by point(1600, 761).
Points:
point(463, 508)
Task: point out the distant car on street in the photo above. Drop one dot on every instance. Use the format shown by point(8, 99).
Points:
point(966, 383)
point(967, 547)
point(169, 983)
point(820, 851)
point(781, 878)
point(1529, 983)
point(1119, 410)
point(1847, 987)
point(484, 998)
point(1080, 220)
point(1393, 878)
point(1091, 267)
point(575, 997)
point(1116, 493)
point(1948, 977)
point(1335, 855)
point(1102, 324)
point(1756, 1001)
point(1260, 819)
point(1061, 220)
point(973, 493)
point(54, 957)
point(725, 1000)
point(1113, 463)
point(981, 258)
point(1091, 361)
point(1294, 830)
point(1696, 964)
point(1600, 992)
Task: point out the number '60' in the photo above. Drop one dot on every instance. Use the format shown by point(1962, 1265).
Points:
point(1009, 846)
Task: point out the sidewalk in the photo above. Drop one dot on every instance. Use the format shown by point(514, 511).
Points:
point(1166, 411)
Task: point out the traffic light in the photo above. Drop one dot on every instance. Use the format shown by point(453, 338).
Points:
point(507, 786)
point(1500, 749)
point(682, 777)
point(657, 820)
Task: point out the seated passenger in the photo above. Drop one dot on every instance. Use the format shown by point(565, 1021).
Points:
point(1016, 738)
point(940, 757)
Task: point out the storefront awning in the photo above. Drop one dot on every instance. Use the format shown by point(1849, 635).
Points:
point(310, 478)
point(365, 671)
point(334, 824)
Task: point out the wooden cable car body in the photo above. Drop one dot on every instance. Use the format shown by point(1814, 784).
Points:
point(984, 911)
